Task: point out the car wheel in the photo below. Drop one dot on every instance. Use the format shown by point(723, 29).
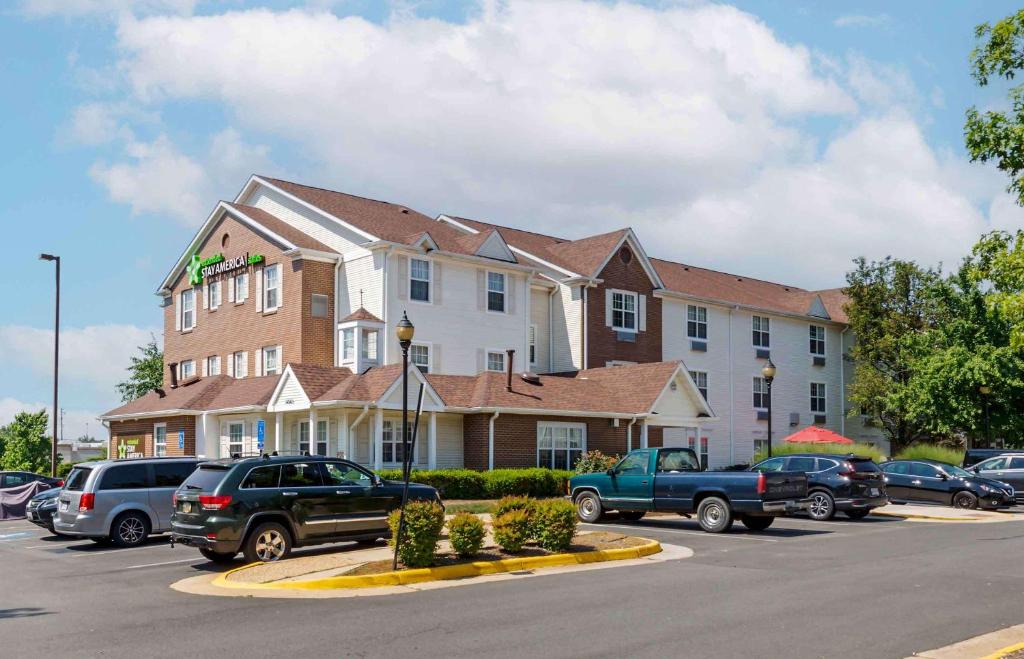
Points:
point(632, 515)
point(129, 530)
point(858, 513)
point(757, 522)
point(589, 508)
point(823, 506)
point(216, 556)
point(714, 515)
point(267, 543)
point(965, 500)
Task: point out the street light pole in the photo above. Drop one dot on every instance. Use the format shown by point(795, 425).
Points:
point(56, 362)
point(405, 331)
point(768, 372)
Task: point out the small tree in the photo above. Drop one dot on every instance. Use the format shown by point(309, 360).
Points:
point(26, 446)
point(146, 373)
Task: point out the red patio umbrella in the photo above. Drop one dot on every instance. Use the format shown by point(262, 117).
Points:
point(816, 435)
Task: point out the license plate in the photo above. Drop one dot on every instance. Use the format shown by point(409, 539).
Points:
point(873, 492)
point(186, 506)
point(32, 517)
point(63, 506)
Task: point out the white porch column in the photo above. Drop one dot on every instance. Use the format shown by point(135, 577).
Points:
point(629, 435)
point(378, 440)
point(490, 441)
point(279, 432)
point(643, 434)
point(343, 441)
point(432, 442)
point(312, 431)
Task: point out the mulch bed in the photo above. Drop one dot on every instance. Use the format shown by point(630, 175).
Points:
point(583, 543)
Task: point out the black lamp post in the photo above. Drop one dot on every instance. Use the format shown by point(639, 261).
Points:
point(405, 331)
point(768, 372)
point(986, 392)
point(56, 352)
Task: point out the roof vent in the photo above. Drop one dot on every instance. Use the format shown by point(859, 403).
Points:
point(530, 377)
point(686, 267)
point(739, 279)
point(405, 211)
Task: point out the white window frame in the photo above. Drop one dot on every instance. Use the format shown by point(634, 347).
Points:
point(823, 397)
point(215, 295)
point(276, 350)
point(241, 438)
point(210, 361)
point(765, 334)
point(812, 339)
point(235, 357)
point(759, 387)
point(429, 347)
point(365, 343)
point(532, 344)
point(267, 288)
point(186, 373)
point(389, 437)
point(760, 445)
point(557, 425)
point(487, 360)
point(503, 291)
point(159, 448)
point(241, 292)
point(188, 310)
point(348, 352)
point(693, 316)
point(701, 445)
point(429, 280)
point(635, 311)
point(696, 375)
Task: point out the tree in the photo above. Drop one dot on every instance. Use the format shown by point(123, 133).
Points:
point(994, 134)
point(146, 373)
point(26, 446)
point(892, 304)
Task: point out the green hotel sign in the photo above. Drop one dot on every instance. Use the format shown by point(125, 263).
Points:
point(198, 268)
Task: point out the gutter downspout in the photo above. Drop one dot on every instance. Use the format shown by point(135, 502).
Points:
point(337, 310)
point(351, 432)
point(732, 396)
point(551, 329)
point(490, 440)
point(387, 265)
point(584, 297)
point(629, 435)
point(842, 384)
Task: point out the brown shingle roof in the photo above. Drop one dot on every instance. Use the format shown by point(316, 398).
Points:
point(361, 314)
point(835, 300)
point(217, 392)
point(368, 386)
point(280, 227)
point(241, 393)
point(315, 380)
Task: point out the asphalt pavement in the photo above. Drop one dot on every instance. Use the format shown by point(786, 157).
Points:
point(872, 588)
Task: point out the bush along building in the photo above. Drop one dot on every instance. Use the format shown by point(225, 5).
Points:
point(279, 334)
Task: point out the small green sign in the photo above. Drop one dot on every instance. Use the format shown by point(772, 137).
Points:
point(195, 270)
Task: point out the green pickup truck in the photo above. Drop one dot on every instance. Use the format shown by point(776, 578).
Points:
point(671, 480)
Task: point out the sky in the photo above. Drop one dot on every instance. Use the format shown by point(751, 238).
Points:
point(772, 139)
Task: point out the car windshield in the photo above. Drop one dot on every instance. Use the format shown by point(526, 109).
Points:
point(956, 471)
point(863, 465)
point(205, 479)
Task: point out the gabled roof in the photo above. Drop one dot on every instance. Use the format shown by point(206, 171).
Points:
point(315, 380)
point(368, 386)
point(361, 314)
point(835, 301)
point(279, 227)
point(217, 392)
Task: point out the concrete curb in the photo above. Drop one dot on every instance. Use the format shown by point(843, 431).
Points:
point(1002, 652)
point(475, 569)
point(995, 645)
point(937, 518)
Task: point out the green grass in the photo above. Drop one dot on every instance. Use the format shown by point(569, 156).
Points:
point(932, 452)
point(842, 449)
point(475, 507)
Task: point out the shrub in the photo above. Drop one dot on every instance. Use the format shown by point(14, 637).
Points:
point(505, 504)
point(932, 452)
point(424, 521)
point(451, 483)
point(64, 468)
point(511, 530)
point(554, 524)
point(595, 461)
point(469, 484)
point(466, 534)
point(842, 449)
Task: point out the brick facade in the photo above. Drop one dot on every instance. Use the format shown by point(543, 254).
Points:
point(515, 438)
point(234, 327)
point(603, 344)
point(144, 428)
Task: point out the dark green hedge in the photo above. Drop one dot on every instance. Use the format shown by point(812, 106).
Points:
point(469, 484)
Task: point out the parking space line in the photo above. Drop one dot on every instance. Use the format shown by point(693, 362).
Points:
point(184, 560)
point(117, 551)
point(658, 529)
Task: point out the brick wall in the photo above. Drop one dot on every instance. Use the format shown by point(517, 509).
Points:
point(603, 345)
point(515, 438)
point(236, 327)
point(144, 428)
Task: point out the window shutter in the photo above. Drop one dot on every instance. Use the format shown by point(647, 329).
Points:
point(403, 277)
point(231, 290)
point(280, 359)
point(510, 293)
point(480, 357)
point(259, 362)
point(259, 291)
point(177, 312)
point(231, 365)
point(608, 307)
point(206, 366)
point(206, 295)
point(481, 290)
point(642, 321)
point(280, 285)
point(245, 364)
point(435, 358)
point(435, 283)
point(245, 286)
point(195, 307)
point(220, 291)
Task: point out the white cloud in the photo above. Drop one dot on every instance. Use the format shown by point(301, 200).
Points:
point(78, 8)
point(76, 422)
point(862, 20)
point(95, 356)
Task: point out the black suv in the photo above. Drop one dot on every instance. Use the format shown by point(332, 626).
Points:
point(848, 483)
point(265, 506)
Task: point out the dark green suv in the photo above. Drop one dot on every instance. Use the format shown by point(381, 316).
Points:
point(265, 506)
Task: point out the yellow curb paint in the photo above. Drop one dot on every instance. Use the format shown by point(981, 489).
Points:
point(1002, 652)
point(475, 569)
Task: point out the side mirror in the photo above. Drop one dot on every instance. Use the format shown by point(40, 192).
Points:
point(975, 470)
point(377, 480)
point(944, 477)
point(611, 472)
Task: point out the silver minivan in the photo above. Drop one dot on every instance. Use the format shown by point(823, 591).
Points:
point(121, 501)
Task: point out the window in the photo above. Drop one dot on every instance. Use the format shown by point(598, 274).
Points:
point(817, 334)
point(214, 289)
point(369, 345)
point(338, 473)
point(696, 322)
point(896, 468)
point(495, 361)
point(125, 477)
point(922, 469)
point(772, 464)
point(676, 460)
point(560, 445)
point(1016, 463)
point(186, 369)
point(160, 440)
point(303, 436)
point(241, 365)
point(348, 345)
point(700, 378)
point(419, 280)
point(213, 365)
point(318, 305)
point(636, 462)
point(271, 287)
point(760, 446)
point(301, 475)
point(993, 464)
point(394, 449)
point(241, 284)
point(262, 477)
point(533, 344)
point(760, 394)
point(761, 328)
point(624, 311)
point(236, 438)
point(188, 309)
point(496, 292)
point(272, 360)
point(703, 451)
point(172, 474)
point(818, 397)
point(419, 355)
point(801, 464)
point(322, 426)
